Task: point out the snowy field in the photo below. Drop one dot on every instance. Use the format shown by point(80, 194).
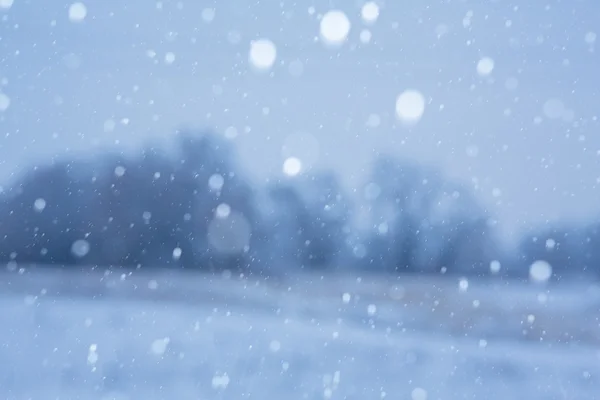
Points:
point(186, 336)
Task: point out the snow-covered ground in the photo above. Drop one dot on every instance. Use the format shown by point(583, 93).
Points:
point(186, 336)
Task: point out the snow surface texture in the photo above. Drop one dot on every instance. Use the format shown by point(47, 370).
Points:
point(185, 336)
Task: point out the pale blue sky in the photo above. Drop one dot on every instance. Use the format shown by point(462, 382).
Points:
point(65, 80)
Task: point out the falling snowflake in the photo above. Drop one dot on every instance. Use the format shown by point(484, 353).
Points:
point(485, 66)
point(39, 205)
point(80, 248)
point(540, 271)
point(77, 12)
point(4, 102)
point(292, 166)
point(334, 27)
point(6, 4)
point(410, 106)
point(370, 12)
point(159, 346)
point(262, 54)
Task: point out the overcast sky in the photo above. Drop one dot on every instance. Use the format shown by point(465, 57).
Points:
point(525, 135)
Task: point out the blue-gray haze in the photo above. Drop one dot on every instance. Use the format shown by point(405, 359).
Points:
point(104, 81)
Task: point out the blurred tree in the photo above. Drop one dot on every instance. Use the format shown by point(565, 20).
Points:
point(190, 207)
point(154, 209)
point(423, 223)
point(309, 217)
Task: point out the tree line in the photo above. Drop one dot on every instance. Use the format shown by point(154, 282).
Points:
point(193, 207)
